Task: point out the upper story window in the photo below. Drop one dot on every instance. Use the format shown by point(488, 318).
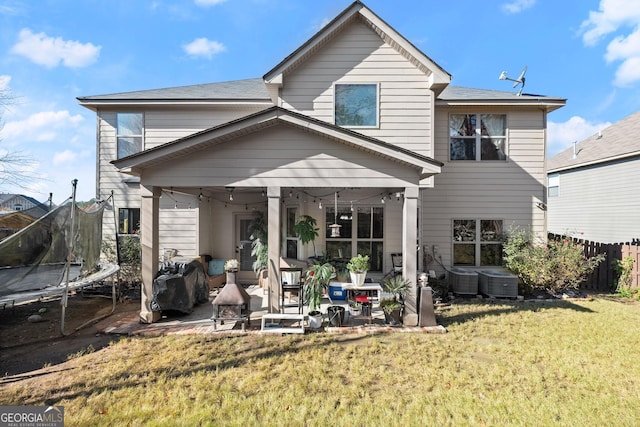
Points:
point(129, 133)
point(356, 104)
point(554, 185)
point(17, 207)
point(478, 136)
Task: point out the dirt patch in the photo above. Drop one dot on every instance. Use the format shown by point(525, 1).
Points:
point(27, 345)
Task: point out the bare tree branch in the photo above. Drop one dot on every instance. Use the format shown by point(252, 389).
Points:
point(16, 168)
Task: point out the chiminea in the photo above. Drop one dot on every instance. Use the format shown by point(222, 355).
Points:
point(233, 304)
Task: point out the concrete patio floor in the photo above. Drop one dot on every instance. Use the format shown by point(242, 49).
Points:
point(199, 321)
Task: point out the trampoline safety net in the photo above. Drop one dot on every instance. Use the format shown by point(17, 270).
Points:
point(35, 257)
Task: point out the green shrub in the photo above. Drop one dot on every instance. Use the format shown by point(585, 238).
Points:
point(130, 256)
point(555, 267)
point(625, 279)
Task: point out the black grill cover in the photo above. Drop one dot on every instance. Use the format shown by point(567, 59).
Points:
point(179, 287)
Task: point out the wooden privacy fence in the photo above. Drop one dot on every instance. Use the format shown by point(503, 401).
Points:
point(604, 278)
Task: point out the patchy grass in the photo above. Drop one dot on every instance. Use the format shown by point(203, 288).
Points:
point(501, 363)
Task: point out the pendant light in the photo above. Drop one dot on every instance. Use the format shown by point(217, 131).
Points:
point(335, 227)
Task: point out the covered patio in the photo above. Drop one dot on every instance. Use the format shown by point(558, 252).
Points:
point(265, 158)
point(199, 322)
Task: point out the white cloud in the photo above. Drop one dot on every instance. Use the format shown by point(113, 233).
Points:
point(50, 52)
point(66, 156)
point(562, 135)
point(203, 47)
point(628, 73)
point(612, 15)
point(4, 82)
point(517, 6)
point(616, 17)
point(207, 3)
point(40, 126)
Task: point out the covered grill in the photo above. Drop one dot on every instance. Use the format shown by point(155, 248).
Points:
point(233, 304)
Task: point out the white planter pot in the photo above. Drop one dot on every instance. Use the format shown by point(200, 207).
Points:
point(315, 320)
point(291, 277)
point(357, 278)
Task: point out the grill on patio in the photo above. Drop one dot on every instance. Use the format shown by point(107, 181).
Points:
point(232, 304)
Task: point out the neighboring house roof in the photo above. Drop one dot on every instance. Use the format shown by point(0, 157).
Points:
point(16, 220)
point(266, 118)
point(458, 95)
point(9, 201)
point(616, 142)
point(439, 78)
point(236, 91)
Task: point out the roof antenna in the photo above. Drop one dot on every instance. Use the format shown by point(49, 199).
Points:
point(519, 80)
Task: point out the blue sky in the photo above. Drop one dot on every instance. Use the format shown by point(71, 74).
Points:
point(51, 51)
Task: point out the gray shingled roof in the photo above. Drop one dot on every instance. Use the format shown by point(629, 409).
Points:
point(617, 141)
point(236, 90)
point(460, 93)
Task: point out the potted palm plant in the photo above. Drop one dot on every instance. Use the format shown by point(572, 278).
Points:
point(358, 267)
point(393, 307)
point(317, 277)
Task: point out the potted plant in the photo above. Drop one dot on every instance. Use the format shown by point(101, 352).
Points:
point(317, 277)
point(358, 267)
point(231, 267)
point(258, 235)
point(393, 307)
point(307, 231)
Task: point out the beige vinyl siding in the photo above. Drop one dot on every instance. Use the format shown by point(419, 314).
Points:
point(275, 156)
point(600, 203)
point(358, 55)
point(506, 190)
point(161, 125)
point(177, 230)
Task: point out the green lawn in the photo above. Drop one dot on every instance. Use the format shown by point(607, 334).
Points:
point(561, 363)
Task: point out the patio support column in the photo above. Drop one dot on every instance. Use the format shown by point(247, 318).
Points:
point(410, 261)
point(273, 242)
point(150, 245)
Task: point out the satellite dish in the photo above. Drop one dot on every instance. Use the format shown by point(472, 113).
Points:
point(519, 80)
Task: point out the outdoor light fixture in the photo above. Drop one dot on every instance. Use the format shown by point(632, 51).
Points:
point(335, 227)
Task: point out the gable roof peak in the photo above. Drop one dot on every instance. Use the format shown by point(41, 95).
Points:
point(439, 78)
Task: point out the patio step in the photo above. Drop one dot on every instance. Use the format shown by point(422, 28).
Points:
point(270, 323)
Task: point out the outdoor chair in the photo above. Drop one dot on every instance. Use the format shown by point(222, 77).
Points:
point(291, 282)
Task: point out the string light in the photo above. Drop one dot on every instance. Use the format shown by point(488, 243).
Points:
point(320, 204)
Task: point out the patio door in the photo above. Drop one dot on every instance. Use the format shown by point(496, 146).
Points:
point(243, 248)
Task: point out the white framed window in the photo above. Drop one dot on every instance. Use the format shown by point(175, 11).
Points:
point(291, 246)
point(477, 137)
point(361, 232)
point(356, 104)
point(129, 133)
point(128, 220)
point(554, 185)
point(477, 242)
